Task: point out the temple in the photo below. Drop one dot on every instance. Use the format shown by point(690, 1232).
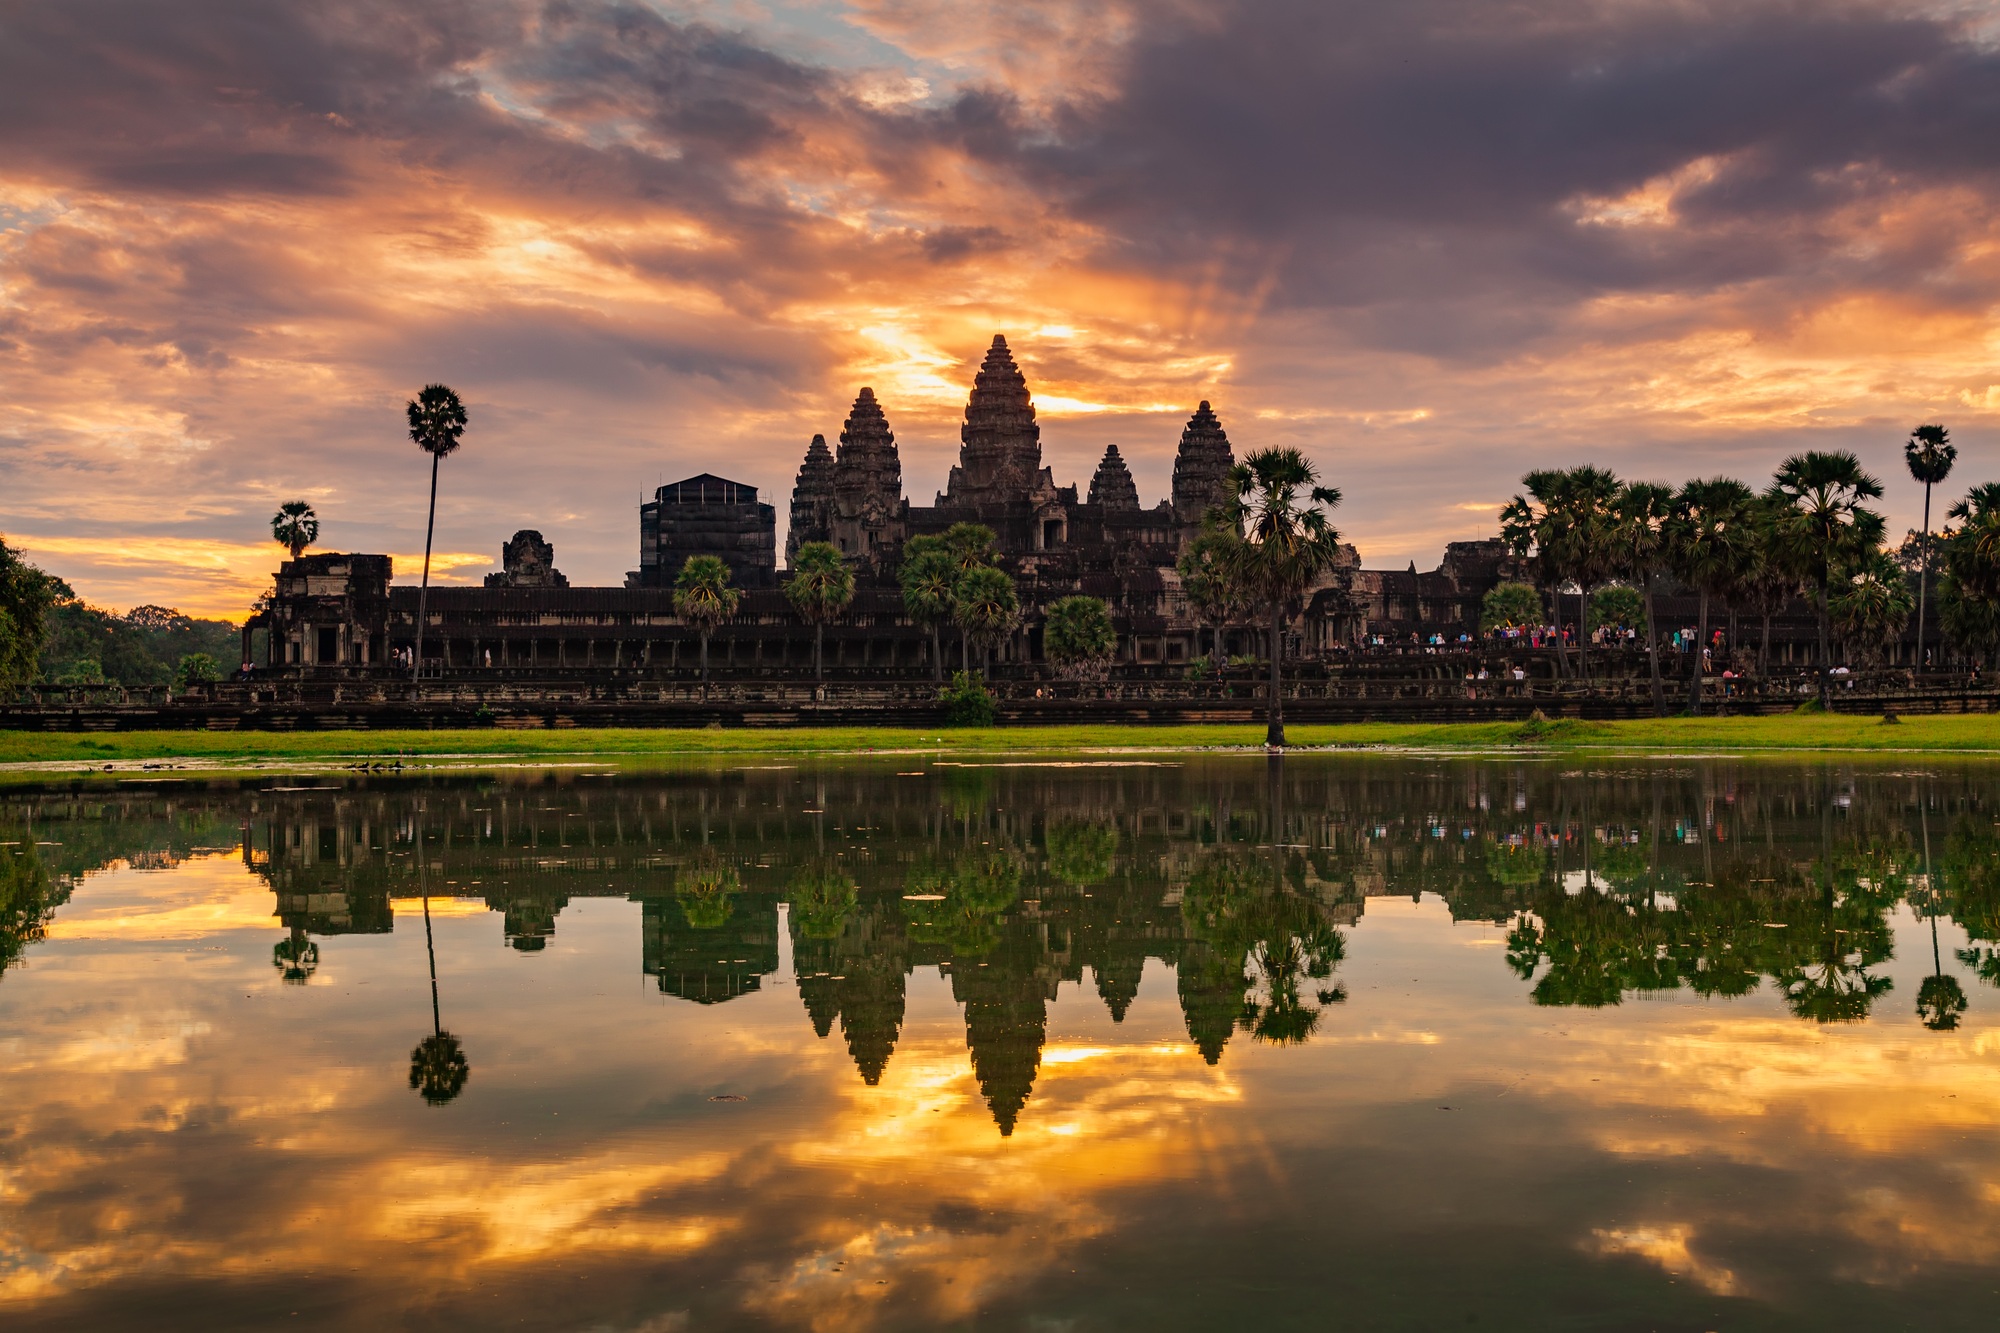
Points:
point(340, 612)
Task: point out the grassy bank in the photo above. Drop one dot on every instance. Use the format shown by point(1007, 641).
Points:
point(1795, 733)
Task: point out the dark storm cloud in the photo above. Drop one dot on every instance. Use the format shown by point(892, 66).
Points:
point(1433, 150)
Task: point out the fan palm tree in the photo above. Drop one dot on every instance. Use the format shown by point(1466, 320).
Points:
point(986, 608)
point(821, 587)
point(1711, 536)
point(1288, 543)
point(1567, 519)
point(295, 526)
point(1974, 551)
point(437, 421)
point(704, 599)
point(1767, 582)
point(1078, 635)
point(1870, 604)
point(1640, 517)
point(929, 575)
point(1929, 453)
point(969, 546)
point(1822, 524)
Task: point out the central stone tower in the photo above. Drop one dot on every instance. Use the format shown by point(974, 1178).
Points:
point(1000, 458)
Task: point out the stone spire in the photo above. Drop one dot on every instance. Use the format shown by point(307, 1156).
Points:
point(1112, 487)
point(868, 472)
point(1201, 468)
point(1001, 446)
point(812, 499)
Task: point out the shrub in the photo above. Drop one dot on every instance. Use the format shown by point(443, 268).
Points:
point(87, 671)
point(966, 702)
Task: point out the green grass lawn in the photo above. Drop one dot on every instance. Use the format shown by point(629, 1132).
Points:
point(1792, 733)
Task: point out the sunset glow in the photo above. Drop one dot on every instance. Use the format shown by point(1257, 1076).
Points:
point(1431, 248)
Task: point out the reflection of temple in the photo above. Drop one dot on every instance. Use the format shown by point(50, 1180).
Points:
point(310, 866)
point(1631, 883)
point(857, 978)
point(710, 964)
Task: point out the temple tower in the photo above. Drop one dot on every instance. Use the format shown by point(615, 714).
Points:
point(1113, 487)
point(1000, 454)
point(868, 472)
point(1201, 468)
point(812, 500)
point(867, 484)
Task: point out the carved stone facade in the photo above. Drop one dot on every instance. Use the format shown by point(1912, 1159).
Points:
point(868, 502)
point(1201, 467)
point(812, 500)
point(526, 561)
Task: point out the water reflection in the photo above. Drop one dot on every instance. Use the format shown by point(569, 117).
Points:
point(1127, 953)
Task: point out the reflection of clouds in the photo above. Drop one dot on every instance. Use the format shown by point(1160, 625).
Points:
point(1667, 1245)
point(130, 1044)
point(203, 895)
point(1003, 1210)
point(496, 1213)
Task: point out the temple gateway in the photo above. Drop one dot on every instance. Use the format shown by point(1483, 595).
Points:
point(339, 611)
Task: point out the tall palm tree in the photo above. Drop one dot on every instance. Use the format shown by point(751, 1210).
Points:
point(1929, 453)
point(1567, 520)
point(295, 526)
point(986, 608)
point(1767, 582)
point(1821, 525)
point(1640, 517)
point(969, 546)
point(1711, 536)
point(1870, 604)
point(1973, 555)
point(437, 421)
point(704, 599)
point(1288, 542)
point(821, 587)
point(929, 576)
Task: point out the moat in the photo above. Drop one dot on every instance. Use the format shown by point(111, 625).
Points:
point(1182, 1042)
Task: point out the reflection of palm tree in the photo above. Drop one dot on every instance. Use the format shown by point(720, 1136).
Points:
point(960, 907)
point(705, 895)
point(822, 897)
point(1940, 999)
point(1080, 854)
point(295, 957)
point(1282, 1017)
point(1827, 979)
point(438, 1067)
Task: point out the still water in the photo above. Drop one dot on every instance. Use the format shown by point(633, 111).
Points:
point(1360, 1043)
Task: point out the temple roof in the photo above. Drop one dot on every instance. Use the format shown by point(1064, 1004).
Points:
point(1113, 486)
point(706, 488)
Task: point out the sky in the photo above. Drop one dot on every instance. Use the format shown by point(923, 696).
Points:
point(1432, 243)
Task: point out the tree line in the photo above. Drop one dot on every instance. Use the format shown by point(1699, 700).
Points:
point(1810, 533)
